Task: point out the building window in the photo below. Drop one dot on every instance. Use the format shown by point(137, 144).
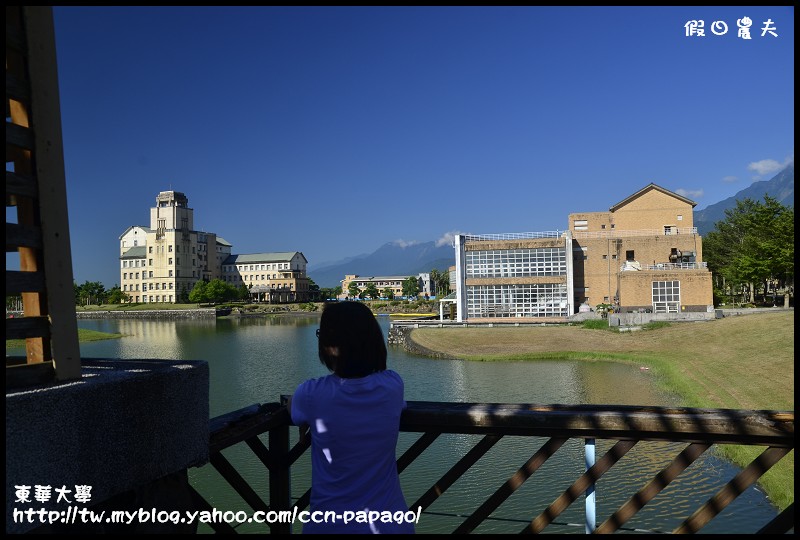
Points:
point(629, 255)
point(614, 257)
point(605, 257)
point(169, 248)
point(151, 275)
point(581, 225)
point(170, 260)
point(150, 249)
point(680, 217)
point(613, 226)
point(666, 296)
point(150, 262)
point(170, 275)
point(523, 262)
point(518, 300)
point(603, 226)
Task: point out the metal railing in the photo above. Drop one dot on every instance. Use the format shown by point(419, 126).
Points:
point(669, 266)
point(624, 426)
point(513, 236)
point(675, 231)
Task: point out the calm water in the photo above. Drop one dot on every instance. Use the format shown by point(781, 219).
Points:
point(256, 360)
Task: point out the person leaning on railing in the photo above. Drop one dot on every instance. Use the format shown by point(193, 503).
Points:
point(353, 416)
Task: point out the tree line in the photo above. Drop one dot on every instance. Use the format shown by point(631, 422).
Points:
point(217, 291)
point(211, 292)
point(440, 282)
point(751, 252)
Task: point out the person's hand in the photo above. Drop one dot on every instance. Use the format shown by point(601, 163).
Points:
point(304, 432)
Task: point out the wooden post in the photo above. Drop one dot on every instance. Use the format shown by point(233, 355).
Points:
point(37, 188)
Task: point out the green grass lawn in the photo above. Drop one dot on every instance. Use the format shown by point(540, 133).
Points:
point(83, 336)
point(742, 362)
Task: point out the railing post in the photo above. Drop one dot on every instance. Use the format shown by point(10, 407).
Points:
point(591, 517)
point(280, 478)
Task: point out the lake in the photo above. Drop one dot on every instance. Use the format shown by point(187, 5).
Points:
point(256, 360)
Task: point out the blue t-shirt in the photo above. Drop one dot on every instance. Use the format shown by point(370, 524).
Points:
point(354, 427)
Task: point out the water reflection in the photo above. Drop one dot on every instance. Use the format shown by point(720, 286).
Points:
point(255, 360)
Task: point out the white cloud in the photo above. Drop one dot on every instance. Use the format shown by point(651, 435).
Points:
point(404, 243)
point(690, 193)
point(730, 179)
point(769, 166)
point(765, 166)
point(447, 238)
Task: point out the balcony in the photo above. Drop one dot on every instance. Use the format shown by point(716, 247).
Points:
point(550, 427)
point(674, 231)
point(664, 266)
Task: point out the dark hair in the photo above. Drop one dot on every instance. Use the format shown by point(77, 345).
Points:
point(353, 329)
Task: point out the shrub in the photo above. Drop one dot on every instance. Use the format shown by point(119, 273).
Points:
point(596, 324)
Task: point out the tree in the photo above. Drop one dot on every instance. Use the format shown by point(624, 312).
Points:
point(353, 290)
point(182, 297)
point(216, 291)
point(242, 293)
point(371, 290)
point(198, 294)
point(441, 282)
point(91, 292)
point(753, 245)
point(388, 293)
point(330, 293)
point(411, 287)
point(313, 290)
point(116, 296)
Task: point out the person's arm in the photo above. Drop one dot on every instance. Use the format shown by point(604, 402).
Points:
point(304, 428)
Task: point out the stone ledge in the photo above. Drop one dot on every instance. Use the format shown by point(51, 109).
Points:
point(125, 424)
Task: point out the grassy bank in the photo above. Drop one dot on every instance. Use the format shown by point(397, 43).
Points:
point(136, 307)
point(83, 336)
point(744, 362)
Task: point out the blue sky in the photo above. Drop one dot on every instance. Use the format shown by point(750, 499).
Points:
point(333, 130)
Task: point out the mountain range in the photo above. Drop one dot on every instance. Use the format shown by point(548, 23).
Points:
point(391, 259)
point(402, 259)
point(780, 187)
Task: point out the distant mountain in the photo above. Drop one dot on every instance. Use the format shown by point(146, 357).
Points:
point(391, 259)
point(780, 187)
